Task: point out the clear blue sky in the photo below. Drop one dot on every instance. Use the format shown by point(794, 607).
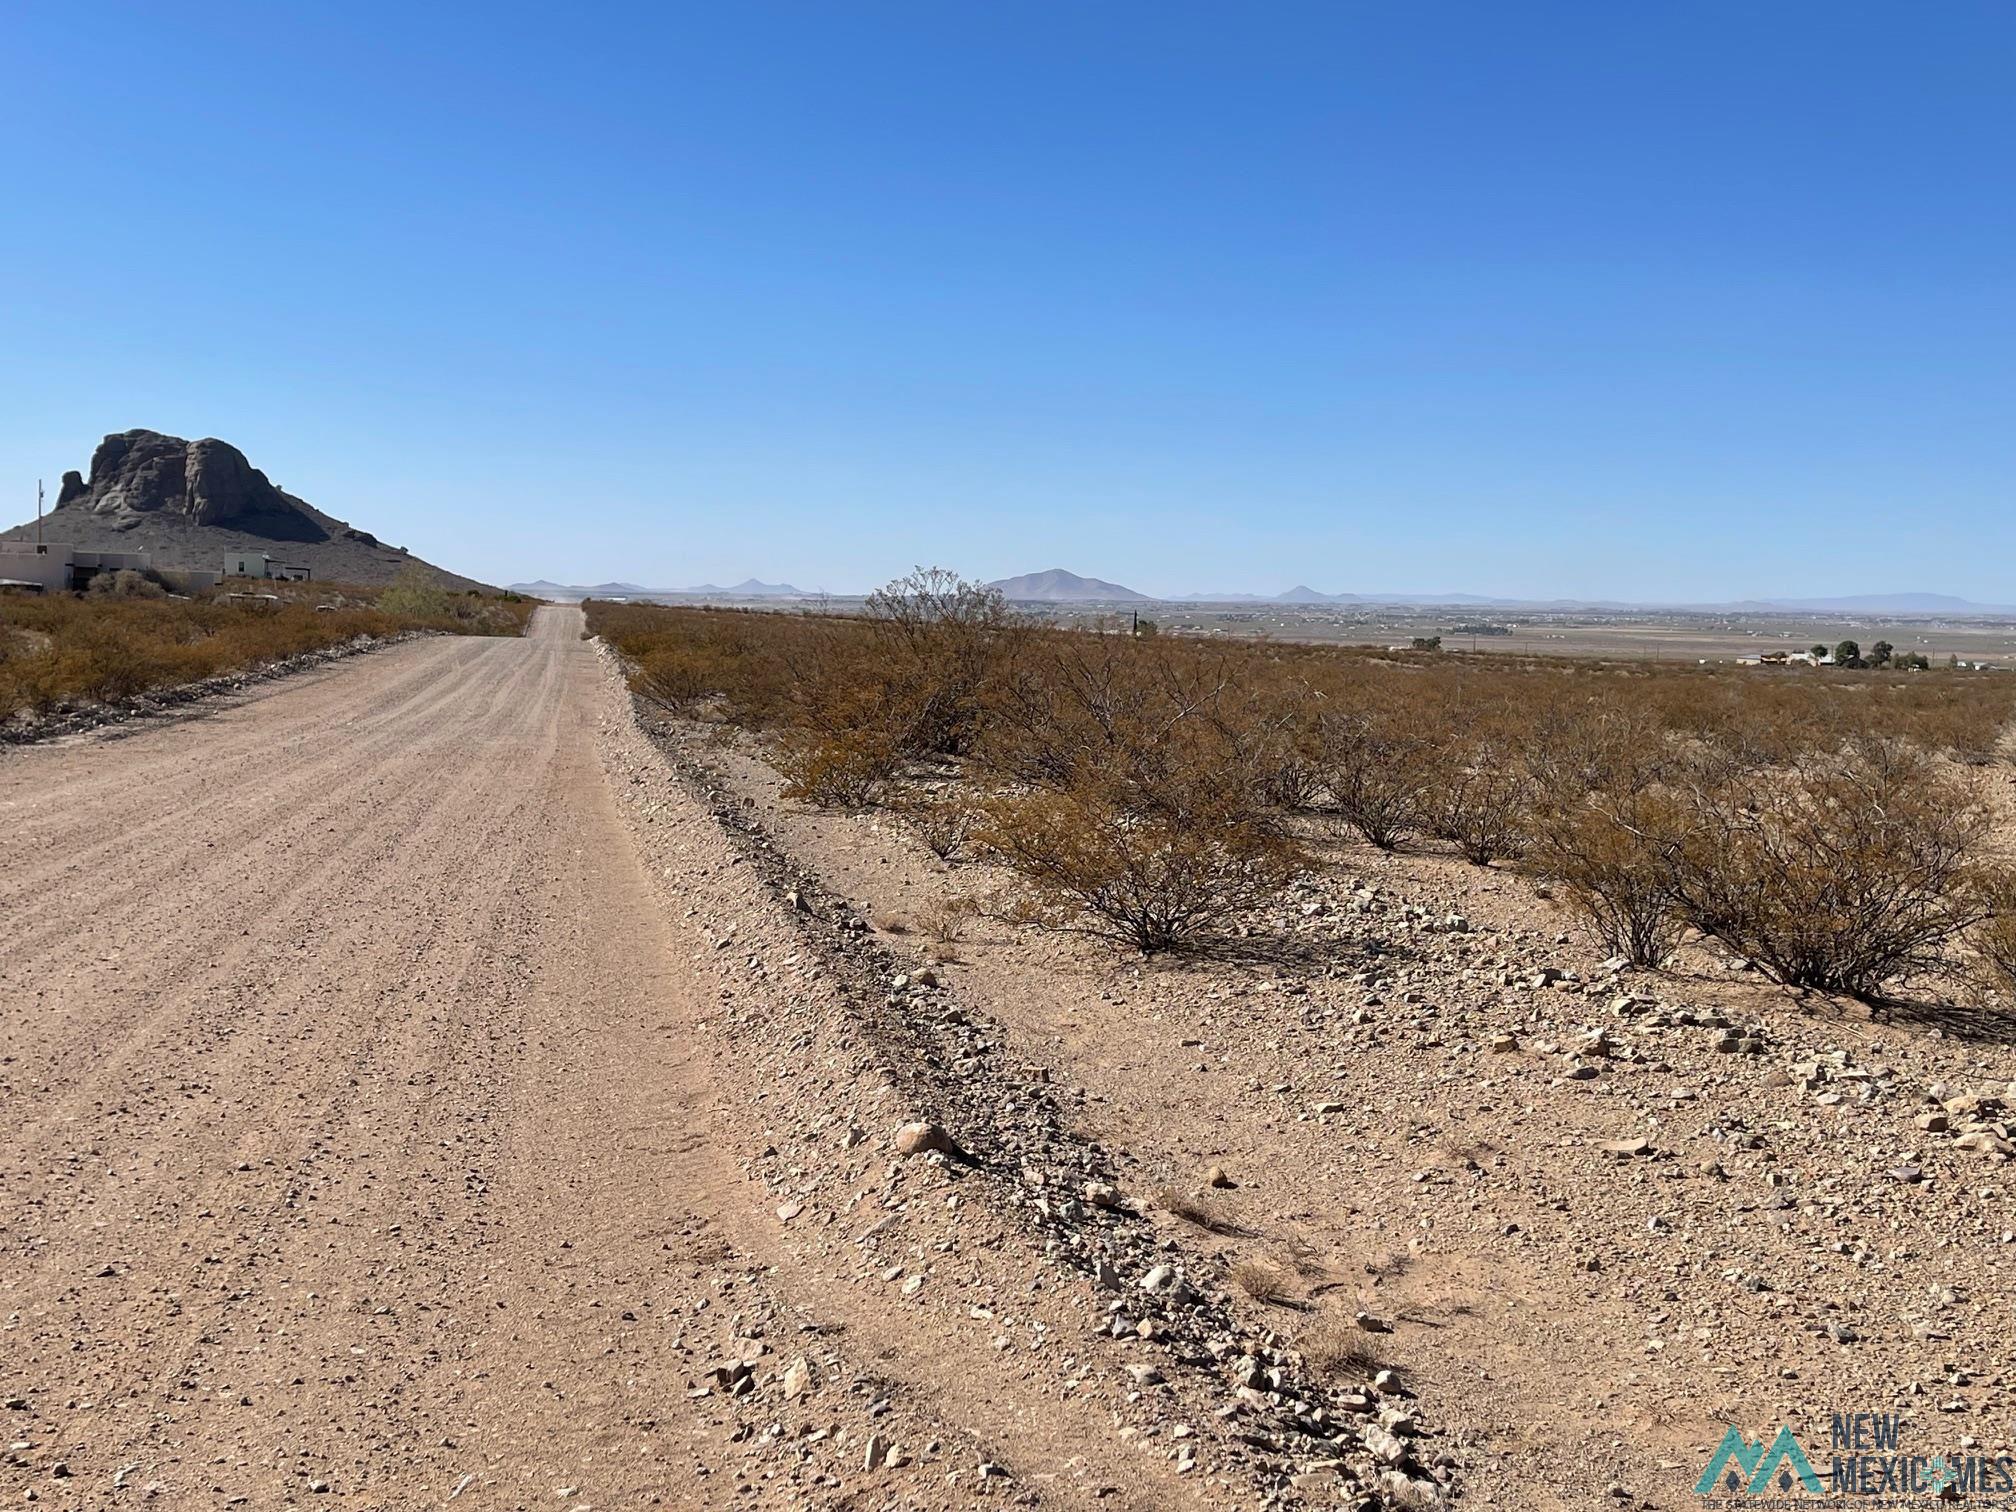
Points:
point(1674, 300)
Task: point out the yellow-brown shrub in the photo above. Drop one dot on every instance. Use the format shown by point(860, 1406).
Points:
point(1140, 786)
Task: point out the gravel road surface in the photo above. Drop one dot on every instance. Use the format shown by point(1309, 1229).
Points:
point(351, 1147)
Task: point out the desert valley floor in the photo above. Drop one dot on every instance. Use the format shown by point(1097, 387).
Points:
point(431, 1081)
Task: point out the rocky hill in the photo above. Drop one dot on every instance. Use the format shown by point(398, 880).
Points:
point(1060, 587)
point(190, 503)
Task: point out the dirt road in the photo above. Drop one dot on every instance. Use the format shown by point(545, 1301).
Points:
point(346, 1149)
point(412, 1094)
point(308, 1163)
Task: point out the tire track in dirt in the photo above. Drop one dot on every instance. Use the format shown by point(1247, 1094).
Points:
point(257, 849)
point(235, 739)
point(185, 948)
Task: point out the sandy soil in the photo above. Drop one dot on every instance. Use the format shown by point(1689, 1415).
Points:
point(414, 1094)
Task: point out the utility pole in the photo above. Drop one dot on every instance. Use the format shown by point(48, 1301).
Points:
point(38, 517)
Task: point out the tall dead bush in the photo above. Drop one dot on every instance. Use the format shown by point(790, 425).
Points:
point(1154, 725)
point(939, 641)
point(1481, 802)
point(945, 822)
point(1083, 707)
point(1991, 939)
point(1611, 857)
point(1580, 741)
point(1379, 768)
point(1846, 873)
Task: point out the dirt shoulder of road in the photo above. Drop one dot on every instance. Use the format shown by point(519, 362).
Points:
point(1026, 1276)
point(1608, 1214)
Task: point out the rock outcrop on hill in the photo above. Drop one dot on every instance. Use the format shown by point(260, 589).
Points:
point(190, 503)
point(207, 482)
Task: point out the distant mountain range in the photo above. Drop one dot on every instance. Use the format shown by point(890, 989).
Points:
point(749, 588)
point(1863, 603)
point(1301, 594)
point(1878, 603)
point(1058, 585)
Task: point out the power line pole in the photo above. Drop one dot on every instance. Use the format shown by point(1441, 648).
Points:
point(38, 517)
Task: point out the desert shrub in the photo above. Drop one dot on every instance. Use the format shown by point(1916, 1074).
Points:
point(417, 594)
point(1195, 1208)
point(675, 675)
point(1262, 1280)
point(844, 736)
point(1156, 729)
point(1610, 856)
point(849, 698)
point(106, 666)
point(945, 922)
point(1960, 714)
point(1845, 873)
point(1578, 743)
point(1158, 771)
point(1091, 706)
point(686, 657)
point(420, 601)
point(1481, 798)
point(110, 644)
point(1334, 1349)
point(1378, 769)
point(1991, 939)
point(938, 641)
point(944, 824)
point(125, 583)
point(837, 769)
point(1097, 866)
point(857, 698)
point(1288, 762)
point(37, 680)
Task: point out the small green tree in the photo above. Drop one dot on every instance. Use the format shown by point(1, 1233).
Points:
point(1848, 654)
point(1819, 653)
point(1880, 654)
